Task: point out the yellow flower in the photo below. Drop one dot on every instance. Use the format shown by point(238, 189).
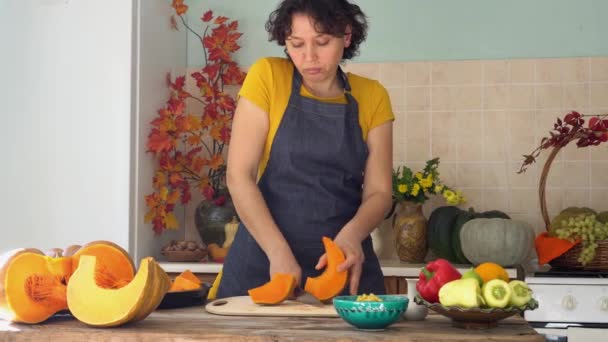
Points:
point(438, 188)
point(415, 189)
point(419, 175)
point(450, 196)
point(426, 182)
point(402, 188)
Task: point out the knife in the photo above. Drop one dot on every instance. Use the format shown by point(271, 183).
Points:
point(304, 297)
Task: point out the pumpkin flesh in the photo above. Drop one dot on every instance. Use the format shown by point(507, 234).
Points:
point(106, 307)
point(115, 267)
point(32, 285)
point(331, 282)
point(279, 288)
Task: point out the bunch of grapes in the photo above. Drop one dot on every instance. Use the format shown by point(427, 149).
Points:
point(586, 228)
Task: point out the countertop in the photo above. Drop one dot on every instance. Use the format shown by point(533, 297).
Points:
point(390, 268)
point(194, 324)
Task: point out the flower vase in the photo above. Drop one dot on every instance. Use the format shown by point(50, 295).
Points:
point(414, 312)
point(409, 232)
point(210, 220)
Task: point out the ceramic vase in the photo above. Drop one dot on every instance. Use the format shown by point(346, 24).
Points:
point(409, 232)
point(414, 312)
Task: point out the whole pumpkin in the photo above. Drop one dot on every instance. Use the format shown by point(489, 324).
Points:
point(443, 230)
point(502, 241)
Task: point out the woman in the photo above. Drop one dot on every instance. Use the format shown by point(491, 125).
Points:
point(310, 154)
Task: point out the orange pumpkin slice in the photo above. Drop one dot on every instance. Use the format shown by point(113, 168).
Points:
point(278, 289)
point(185, 281)
point(331, 282)
point(32, 285)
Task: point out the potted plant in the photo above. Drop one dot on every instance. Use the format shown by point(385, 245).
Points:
point(189, 144)
point(410, 191)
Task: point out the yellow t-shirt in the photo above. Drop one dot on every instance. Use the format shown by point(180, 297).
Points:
point(268, 85)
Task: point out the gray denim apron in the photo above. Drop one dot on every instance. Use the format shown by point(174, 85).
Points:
point(312, 185)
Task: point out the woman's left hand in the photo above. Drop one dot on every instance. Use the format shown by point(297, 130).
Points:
point(353, 252)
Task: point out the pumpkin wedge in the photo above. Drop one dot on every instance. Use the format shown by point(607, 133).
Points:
point(106, 307)
point(331, 282)
point(115, 267)
point(275, 291)
point(32, 285)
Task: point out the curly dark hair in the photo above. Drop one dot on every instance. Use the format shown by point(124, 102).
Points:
point(330, 17)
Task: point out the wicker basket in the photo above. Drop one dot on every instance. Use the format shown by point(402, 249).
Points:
point(569, 260)
point(185, 256)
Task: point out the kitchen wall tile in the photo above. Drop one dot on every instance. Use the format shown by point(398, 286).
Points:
point(456, 98)
point(397, 96)
point(576, 197)
point(599, 198)
point(369, 70)
point(495, 133)
point(522, 96)
point(418, 98)
point(526, 179)
point(474, 198)
point(599, 95)
point(496, 97)
point(599, 174)
point(495, 71)
point(456, 73)
point(418, 149)
point(392, 74)
point(522, 70)
point(418, 74)
point(575, 69)
point(444, 125)
point(599, 153)
point(446, 148)
point(599, 69)
point(548, 96)
point(576, 97)
point(495, 175)
point(549, 70)
point(555, 176)
point(575, 174)
point(554, 198)
point(524, 201)
point(418, 124)
point(493, 199)
point(571, 152)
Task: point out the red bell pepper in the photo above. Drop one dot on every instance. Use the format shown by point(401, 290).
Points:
point(433, 276)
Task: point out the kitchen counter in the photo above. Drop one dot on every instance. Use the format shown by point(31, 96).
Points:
point(393, 268)
point(194, 324)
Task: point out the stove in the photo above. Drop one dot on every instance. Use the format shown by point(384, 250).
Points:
point(568, 301)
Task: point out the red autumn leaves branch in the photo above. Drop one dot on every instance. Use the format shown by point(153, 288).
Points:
point(189, 146)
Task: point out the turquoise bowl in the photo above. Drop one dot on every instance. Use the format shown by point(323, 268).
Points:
point(371, 315)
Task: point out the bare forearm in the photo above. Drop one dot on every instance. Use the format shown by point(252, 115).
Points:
point(372, 211)
point(254, 214)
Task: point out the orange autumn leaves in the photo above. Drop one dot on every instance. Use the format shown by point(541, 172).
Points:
point(189, 135)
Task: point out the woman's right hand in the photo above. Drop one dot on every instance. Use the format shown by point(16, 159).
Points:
point(285, 262)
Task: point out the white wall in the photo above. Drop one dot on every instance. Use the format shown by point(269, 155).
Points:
point(65, 118)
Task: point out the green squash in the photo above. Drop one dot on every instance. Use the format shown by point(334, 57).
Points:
point(439, 230)
point(464, 217)
point(499, 240)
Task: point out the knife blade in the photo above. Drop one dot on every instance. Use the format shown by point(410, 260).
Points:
point(304, 297)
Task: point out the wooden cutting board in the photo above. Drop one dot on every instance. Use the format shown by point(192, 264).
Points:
point(244, 306)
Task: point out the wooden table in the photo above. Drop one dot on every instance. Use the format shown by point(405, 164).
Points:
point(194, 324)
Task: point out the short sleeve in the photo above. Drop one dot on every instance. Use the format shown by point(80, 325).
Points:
point(258, 84)
point(384, 110)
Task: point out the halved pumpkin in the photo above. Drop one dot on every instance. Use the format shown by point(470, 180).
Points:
point(115, 267)
point(106, 307)
point(331, 282)
point(279, 288)
point(32, 285)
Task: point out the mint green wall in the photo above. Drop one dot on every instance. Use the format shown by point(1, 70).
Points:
point(407, 30)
